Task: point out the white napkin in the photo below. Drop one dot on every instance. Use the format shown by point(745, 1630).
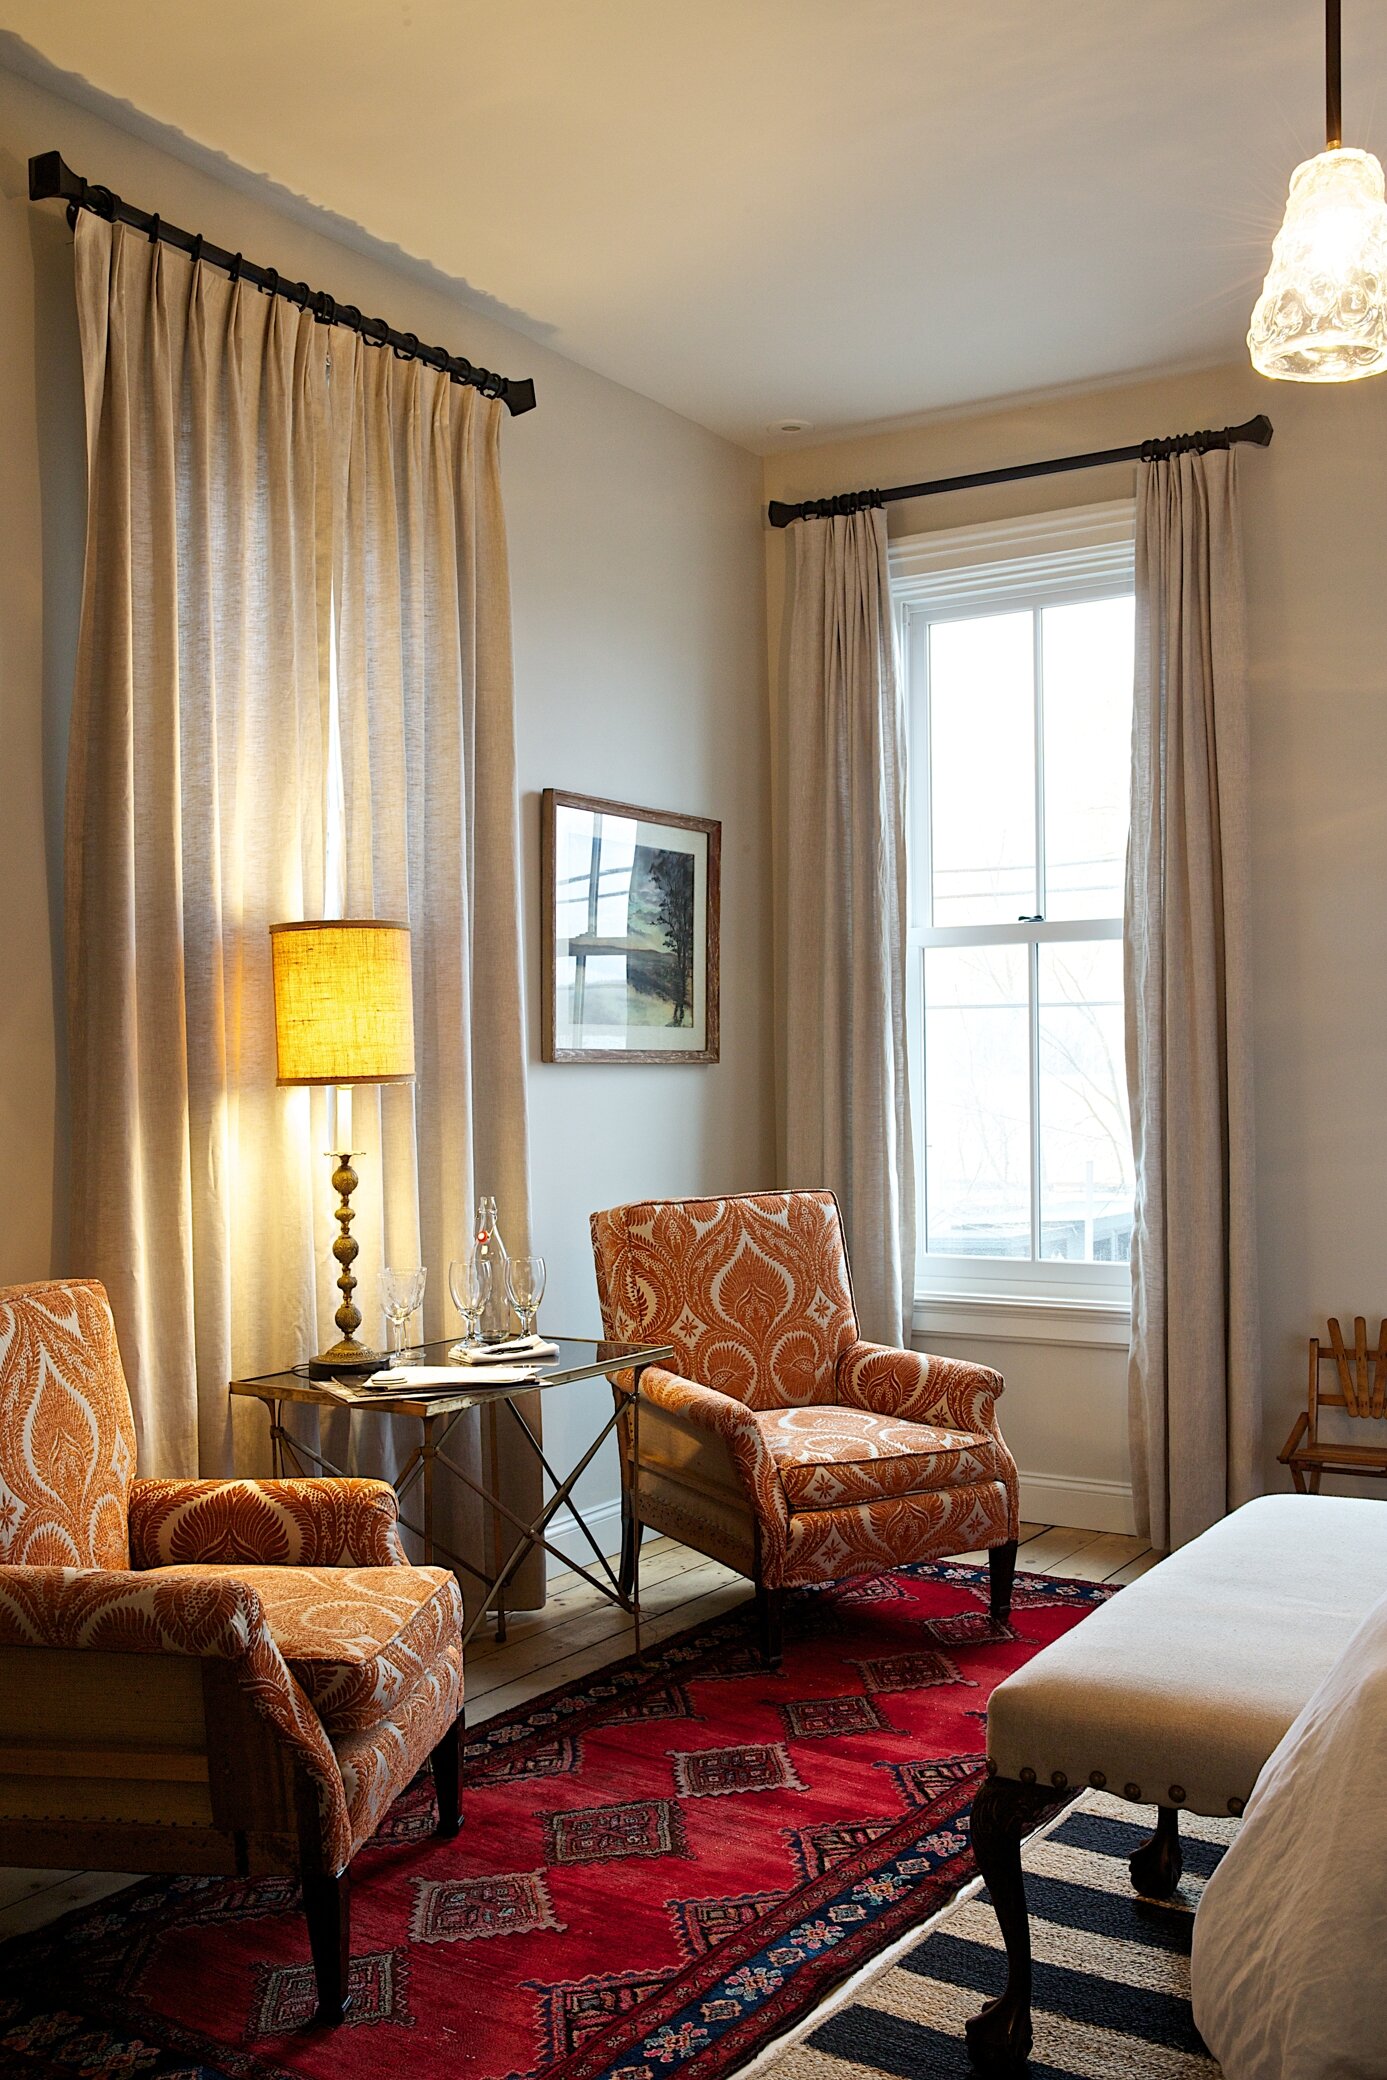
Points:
point(509, 1353)
point(433, 1379)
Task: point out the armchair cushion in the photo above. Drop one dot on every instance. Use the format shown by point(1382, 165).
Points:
point(830, 1458)
point(358, 1640)
point(293, 1523)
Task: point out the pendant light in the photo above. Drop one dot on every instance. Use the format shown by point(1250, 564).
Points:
point(1322, 313)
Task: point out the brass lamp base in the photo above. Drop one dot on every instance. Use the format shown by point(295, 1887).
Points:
point(346, 1355)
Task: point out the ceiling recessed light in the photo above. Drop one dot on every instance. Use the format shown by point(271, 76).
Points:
point(789, 426)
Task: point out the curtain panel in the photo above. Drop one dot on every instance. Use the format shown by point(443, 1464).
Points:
point(196, 788)
point(844, 1059)
point(431, 834)
point(1195, 1391)
point(251, 473)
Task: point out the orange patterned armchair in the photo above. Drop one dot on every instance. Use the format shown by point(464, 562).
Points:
point(780, 1443)
point(200, 1676)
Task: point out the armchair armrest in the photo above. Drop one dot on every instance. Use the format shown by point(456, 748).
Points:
point(295, 1523)
point(919, 1388)
point(737, 1425)
point(208, 1618)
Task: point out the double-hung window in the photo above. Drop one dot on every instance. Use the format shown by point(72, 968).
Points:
point(1016, 644)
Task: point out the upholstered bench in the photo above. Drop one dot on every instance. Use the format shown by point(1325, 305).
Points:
point(1174, 1694)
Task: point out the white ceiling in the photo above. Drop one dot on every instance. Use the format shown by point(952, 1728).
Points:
point(844, 211)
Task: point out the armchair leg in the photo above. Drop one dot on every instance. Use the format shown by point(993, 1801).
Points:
point(630, 1549)
point(1001, 1562)
point(1004, 1812)
point(769, 1609)
point(327, 1905)
point(1157, 1864)
point(447, 1779)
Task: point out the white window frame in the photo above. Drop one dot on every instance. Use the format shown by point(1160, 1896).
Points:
point(1083, 553)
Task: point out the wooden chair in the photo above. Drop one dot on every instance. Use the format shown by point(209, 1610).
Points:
point(1362, 1395)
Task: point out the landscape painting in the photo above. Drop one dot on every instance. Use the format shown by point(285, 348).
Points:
point(631, 933)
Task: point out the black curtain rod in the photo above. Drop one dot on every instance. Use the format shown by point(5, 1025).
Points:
point(51, 179)
point(1257, 430)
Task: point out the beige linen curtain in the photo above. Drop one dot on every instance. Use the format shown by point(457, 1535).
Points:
point(250, 473)
point(431, 836)
point(194, 819)
point(1194, 1379)
point(844, 1026)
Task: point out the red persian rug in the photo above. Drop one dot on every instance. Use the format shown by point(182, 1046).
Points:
point(661, 1867)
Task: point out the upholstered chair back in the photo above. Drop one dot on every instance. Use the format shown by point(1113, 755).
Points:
point(752, 1292)
point(67, 1437)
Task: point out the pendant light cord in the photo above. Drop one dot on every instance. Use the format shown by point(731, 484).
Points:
point(1333, 119)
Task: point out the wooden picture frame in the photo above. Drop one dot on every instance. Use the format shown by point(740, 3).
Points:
point(639, 981)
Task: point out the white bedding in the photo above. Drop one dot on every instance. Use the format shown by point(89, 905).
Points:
point(1289, 1973)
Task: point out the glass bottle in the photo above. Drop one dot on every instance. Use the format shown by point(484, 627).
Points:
point(496, 1315)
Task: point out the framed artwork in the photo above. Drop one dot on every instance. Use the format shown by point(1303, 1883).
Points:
point(630, 963)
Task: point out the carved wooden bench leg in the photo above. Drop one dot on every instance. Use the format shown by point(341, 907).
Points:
point(1157, 1864)
point(1004, 1813)
point(1001, 1562)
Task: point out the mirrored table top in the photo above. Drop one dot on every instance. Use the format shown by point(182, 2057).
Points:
point(579, 1358)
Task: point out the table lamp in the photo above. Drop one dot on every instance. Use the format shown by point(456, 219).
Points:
point(344, 1014)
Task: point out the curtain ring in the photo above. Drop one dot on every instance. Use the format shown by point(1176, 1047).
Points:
point(196, 250)
point(270, 283)
point(375, 332)
point(325, 308)
point(408, 348)
point(154, 229)
point(301, 294)
point(235, 268)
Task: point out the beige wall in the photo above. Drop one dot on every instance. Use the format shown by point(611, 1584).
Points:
point(639, 645)
point(1315, 524)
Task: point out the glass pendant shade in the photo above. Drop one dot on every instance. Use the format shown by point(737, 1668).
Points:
point(1322, 313)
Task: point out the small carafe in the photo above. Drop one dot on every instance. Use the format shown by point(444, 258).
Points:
point(496, 1315)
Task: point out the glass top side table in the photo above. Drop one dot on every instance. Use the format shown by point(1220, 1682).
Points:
point(439, 1409)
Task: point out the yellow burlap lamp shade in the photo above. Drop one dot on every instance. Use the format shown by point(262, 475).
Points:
point(344, 1008)
point(344, 1014)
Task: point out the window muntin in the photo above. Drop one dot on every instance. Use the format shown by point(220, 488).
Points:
point(1018, 679)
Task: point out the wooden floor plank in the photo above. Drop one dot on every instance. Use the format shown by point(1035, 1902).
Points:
point(1103, 1556)
point(76, 1889)
point(605, 1632)
point(567, 1604)
point(1051, 1550)
point(1135, 1567)
point(697, 1612)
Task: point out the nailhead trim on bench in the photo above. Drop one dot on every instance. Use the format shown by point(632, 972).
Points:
point(1175, 1793)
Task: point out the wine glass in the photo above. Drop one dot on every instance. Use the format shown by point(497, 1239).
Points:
point(469, 1282)
point(525, 1278)
point(401, 1296)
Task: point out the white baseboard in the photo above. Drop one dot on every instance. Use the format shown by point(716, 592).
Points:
point(1052, 1498)
point(603, 1520)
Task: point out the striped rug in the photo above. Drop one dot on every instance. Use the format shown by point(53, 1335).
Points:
point(1111, 1970)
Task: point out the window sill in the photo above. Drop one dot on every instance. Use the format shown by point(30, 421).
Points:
point(1004, 1318)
